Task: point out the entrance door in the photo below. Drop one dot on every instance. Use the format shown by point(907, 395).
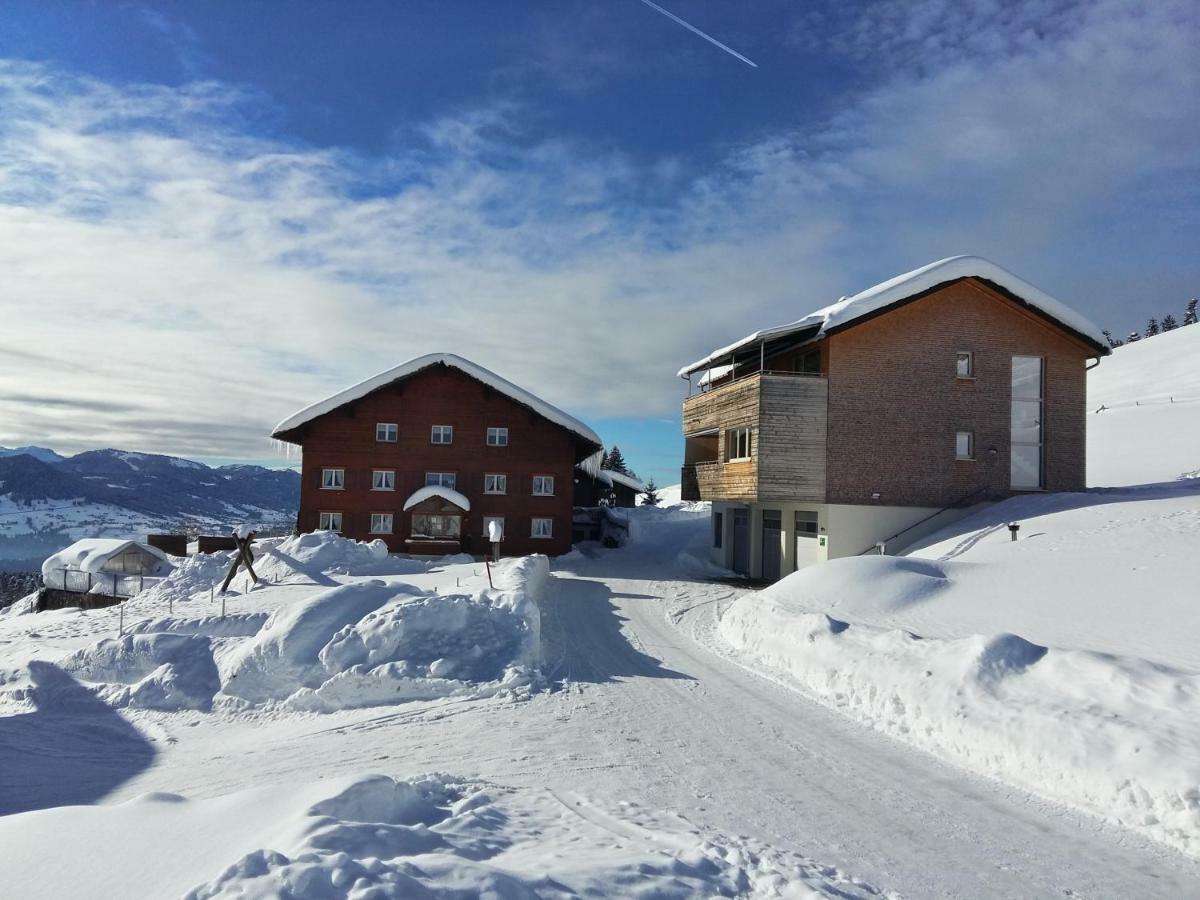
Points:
point(741, 541)
point(806, 539)
point(772, 544)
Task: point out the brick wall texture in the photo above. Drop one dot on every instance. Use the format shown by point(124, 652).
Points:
point(895, 402)
point(439, 395)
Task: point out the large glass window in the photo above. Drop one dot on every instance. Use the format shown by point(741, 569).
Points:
point(1027, 433)
point(442, 528)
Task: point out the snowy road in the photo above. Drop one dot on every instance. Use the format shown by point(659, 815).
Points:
point(648, 713)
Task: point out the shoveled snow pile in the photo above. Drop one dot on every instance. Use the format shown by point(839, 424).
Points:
point(1058, 695)
point(376, 836)
point(1144, 411)
point(374, 642)
point(325, 553)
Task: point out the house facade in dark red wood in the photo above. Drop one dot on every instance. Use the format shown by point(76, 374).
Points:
point(495, 450)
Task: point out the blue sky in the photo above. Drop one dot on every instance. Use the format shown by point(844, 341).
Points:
point(213, 213)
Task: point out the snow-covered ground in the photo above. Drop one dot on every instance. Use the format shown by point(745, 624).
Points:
point(1149, 429)
point(640, 763)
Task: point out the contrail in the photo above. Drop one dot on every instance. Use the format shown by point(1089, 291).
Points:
point(695, 30)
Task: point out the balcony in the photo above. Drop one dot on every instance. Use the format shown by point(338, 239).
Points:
point(786, 414)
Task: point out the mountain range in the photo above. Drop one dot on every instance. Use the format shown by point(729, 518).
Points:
point(48, 500)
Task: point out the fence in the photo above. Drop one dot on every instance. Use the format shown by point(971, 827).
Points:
point(111, 583)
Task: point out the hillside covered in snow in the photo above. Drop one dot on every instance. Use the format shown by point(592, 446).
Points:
point(1144, 411)
point(47, 500)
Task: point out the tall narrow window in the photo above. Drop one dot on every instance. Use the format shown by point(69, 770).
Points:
point(965, 366)
point(333, 479)
point(441, 434)
point(1025, 470)
point(964, 445)
point(718, 529)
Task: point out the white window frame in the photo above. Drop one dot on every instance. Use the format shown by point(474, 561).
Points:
point(498, 483)
point(970, 436)
point(540, 533)
point(733, 444)
point(387, 428)
point(380, 518)
point(442, 435)
point(333, 479)
point(540, 481)
point(389, 479)
point(970, 355)
point(326, 520)
point(500, 433)
point(442, 480)
point(488, 519)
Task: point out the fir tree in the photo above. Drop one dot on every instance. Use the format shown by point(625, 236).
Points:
point(1189, 317)
point(1113, 343)
point(1152, 327)
point(1133, 338)
point(615, 462)
point(650, 498)
point(1169, 323)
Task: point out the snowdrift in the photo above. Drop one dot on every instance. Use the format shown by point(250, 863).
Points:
point(375, 836)
point(1117, 736)
point(318, 646)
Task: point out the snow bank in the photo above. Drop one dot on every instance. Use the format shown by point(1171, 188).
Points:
point(375, 836)
point(147, 671)
point(1118, 736)
point(191, 576)
point(307, 556)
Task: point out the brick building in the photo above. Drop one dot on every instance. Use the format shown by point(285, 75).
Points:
point(886, 415)
point(426, 455)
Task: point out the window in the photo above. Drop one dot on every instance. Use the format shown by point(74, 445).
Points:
point(440, 479)
point(330, 521)
point(737, 444)
point(718, 529)
point(1025, 463)
point(964, 445)
point(383, 480)
point(386, 432)
point(809, 363)
point(965, 365)
point(442, 434)
point(542, 528)
point(806, 523)
point(495, 484)
point(488, 520)
point(543, 485)
point(497, 437)
point(436, 528)
point(381, 523)
point(333, 479)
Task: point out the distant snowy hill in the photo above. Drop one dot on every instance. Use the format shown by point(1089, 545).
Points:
point(46, 501)
point(45, 454)
point(1149, 430)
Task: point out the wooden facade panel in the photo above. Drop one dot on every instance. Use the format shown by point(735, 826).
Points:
point(793, 428)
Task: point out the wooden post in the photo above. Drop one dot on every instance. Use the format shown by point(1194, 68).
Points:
point(121, 620)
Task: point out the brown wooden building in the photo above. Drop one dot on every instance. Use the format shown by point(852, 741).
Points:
point(488, 449)
point(885, 415)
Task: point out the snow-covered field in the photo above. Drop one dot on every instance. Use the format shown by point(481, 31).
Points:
point(1149, 429)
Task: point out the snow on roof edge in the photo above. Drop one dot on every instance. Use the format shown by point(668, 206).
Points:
point(90, 554)
point(901, 287)
point(420, 495)
point(474, 370)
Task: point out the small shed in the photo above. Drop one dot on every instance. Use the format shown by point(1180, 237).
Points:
point(108, 566)
point(606, 488)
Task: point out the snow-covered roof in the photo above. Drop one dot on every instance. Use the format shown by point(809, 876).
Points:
point(608, 476)
point(90, 554)
point(436, 490)
point(479, 373)
point(848, 309)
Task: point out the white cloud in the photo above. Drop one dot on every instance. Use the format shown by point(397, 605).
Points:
point(187, 284)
